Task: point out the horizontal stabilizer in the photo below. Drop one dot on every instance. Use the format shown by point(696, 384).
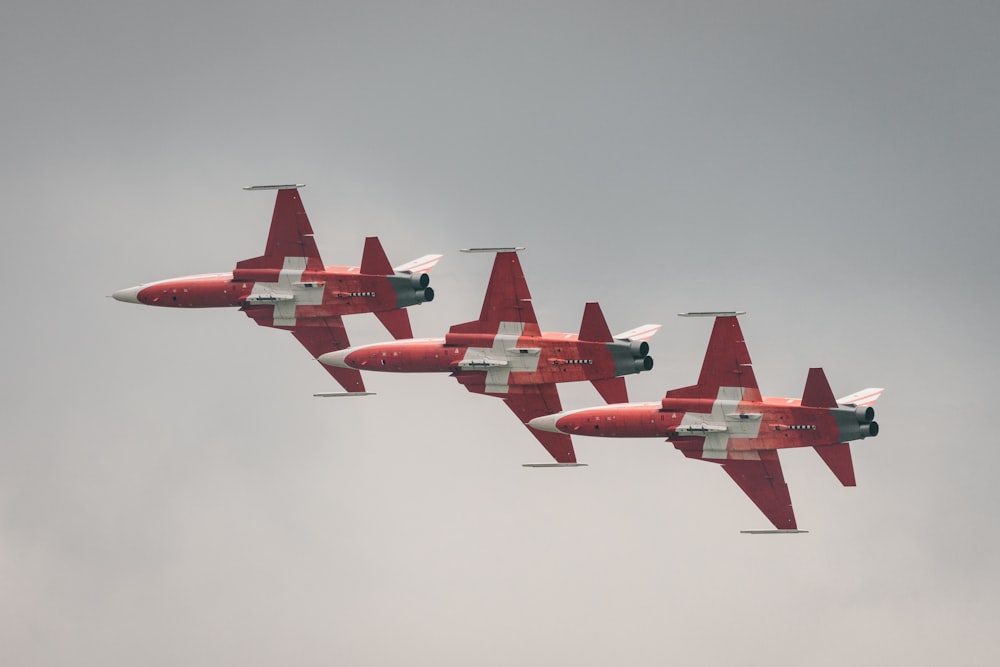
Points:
point(554, 465)
point(838, 458)
point(418, 265)
point(511, 249)
point(612, 390)
point(773, 532)
point(397, 322)
point(817, 393)
point(338, 394)
point(644, 332)
point(863, 397)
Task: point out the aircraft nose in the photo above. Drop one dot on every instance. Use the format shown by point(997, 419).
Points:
point(546, 423)
point(336, 359)
point(130, 295)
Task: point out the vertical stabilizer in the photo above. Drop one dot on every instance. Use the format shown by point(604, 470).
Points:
point(594, 326)
point(373, 261)
point(817, 393)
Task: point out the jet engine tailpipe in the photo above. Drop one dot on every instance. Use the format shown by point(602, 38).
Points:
point(869, 430)
point(644, 364)
point(864, 413)
point(639, 349)
point(420, 281)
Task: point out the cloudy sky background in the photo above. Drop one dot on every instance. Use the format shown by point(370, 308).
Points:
point(171, 493)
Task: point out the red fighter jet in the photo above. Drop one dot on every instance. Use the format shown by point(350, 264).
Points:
point(723, 419)
point(504, 353)
point(288, 287)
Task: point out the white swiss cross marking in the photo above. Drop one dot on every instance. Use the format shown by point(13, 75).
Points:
point(502, 359)
point(287, 293)
point(716, 442)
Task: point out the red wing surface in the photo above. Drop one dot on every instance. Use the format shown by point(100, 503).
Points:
point(727, 364)
point(291, 235)
point(763, 481)
point(507, 299)
point(318, 335)
point(537, 401)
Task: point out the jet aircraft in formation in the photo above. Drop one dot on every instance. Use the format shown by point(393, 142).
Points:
point(288, 287)
point(722, 419)
point(505, 354)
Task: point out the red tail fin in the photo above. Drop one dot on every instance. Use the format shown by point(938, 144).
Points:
point(373, 261)
point(817, 393)
point(838, 458)
point(291, 235)
point(594, 327)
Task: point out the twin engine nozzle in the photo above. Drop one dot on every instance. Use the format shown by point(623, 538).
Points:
point(411, 288)
point(865, 414)
point(631, 357)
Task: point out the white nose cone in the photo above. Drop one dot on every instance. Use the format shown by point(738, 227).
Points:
point(130, 295)
point(546, 423)
point(335, 359)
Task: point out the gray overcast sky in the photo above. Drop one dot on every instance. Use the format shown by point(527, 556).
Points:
point(170, 492)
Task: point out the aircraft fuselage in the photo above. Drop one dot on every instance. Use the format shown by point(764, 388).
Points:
point(497, 360)
point(336, 290)
point(719, 428)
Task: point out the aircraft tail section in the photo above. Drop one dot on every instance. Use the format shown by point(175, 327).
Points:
point(817, 393)
point(864, 397)
point(374, 261)
point(838, 458)
point(594, 326)
point(419, 265)
point(290, 238)
point(612, 390)
point(507, 299)
point(727, 363)
point(397, 322)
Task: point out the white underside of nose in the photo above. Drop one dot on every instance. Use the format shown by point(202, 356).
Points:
point(130, 295)
point(546, 423)
point(335, 359)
